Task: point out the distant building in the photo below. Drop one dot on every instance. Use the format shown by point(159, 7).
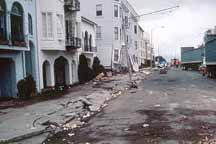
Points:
point(89, 47)
point(144, 54)
point(18, 45)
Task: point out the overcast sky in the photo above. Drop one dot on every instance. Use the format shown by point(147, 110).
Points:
point(183, 27)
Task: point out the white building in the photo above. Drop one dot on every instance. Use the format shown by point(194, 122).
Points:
point(89, 47)
point(109, 16)
point(145, 53)
point(59, 41)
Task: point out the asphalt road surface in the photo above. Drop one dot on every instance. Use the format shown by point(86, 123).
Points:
point(176, 108)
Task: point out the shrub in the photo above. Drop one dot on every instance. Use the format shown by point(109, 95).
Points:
point(97, 67)
point(26, 87)
point(85, 73)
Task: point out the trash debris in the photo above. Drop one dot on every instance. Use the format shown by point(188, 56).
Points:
point(86, 104)
point(87, 115)
point(127, 129)
point(133, 85)
point(71, 134)
point(100, 76)
point(146, 72)
point(145, 125)
point(157, 105)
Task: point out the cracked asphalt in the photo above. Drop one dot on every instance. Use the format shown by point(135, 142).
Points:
point(176, 108)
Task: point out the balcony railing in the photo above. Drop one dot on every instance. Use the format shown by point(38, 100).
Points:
point(73, 43)
point(19, 40)
point(14, 42)
point(4, 41)
point(90, 49)
point(72, 5)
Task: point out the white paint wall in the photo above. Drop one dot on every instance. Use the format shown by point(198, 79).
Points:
point(51, 49)
point(108, 44)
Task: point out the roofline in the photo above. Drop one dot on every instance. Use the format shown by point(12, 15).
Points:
point(88, 21)
point(126, 2)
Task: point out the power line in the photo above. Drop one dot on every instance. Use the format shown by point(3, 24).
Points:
point(159, 11)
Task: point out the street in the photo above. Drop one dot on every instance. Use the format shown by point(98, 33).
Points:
point(175, 108)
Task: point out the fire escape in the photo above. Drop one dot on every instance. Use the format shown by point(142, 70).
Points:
point(73, 40)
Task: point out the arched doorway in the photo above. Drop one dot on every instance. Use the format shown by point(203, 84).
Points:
point(7, 78)
point(46, 74)
point(17, 24)
point(3, 11)
point(30, 59)
point(61, 68)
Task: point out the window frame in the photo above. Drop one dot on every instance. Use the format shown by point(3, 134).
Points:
point(116, 11)
point(116, 55)
point(116, 33)
point(30, 25)
point(99, 10)
point(49, 27)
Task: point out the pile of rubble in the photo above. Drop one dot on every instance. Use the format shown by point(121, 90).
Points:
point(75, 113)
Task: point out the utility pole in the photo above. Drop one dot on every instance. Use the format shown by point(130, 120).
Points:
point(125, 45)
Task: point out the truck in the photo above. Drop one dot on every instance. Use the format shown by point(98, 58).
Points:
point(210, 55)
point(192, 58)
point(202, 58)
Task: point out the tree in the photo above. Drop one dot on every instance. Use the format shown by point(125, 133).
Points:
point(85, 73)
point(97, 67)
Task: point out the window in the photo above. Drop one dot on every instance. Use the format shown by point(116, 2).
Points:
point(44, 25)
point(2, 20)
point(136, 45)
point(116, 55)
point(60, 26)
point(30, 24)
point(120, 12)
point(116, 11)
point(50, 25)
point(99, 11)
point(120, 34)
point(135, 29)
point(116, 33)
point(47, 25)
point(99, 32)
point(17, 23)
point(86, 41)
point(126, 21)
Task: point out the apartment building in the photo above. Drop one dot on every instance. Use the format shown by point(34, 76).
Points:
point(18, 45)
point(89, 47)
point(109, 16)
point(59, 41)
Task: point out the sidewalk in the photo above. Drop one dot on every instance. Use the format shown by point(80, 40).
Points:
point(65, 113)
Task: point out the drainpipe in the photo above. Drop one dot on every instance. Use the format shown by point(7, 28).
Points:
point(37, 46)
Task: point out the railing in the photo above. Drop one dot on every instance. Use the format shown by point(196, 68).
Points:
point(90, 49)
point(4, 41)
point(14, 41)
point(72, 5)
point(73, 43)
point(19, 41)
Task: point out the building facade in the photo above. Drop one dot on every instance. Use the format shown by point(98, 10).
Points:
point(89, 47)
point(59, 41)
point(110, 16)
point(18, 44)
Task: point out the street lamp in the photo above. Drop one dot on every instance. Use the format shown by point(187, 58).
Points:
point(152, 45)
